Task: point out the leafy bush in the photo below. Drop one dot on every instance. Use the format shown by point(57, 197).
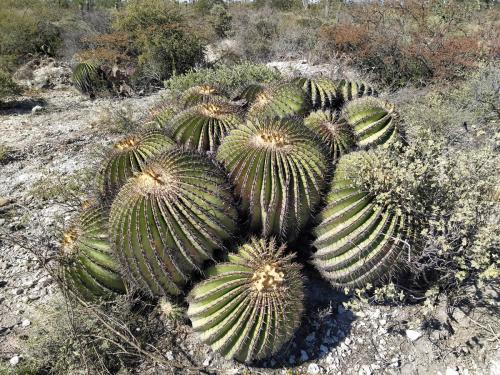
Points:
point(227, 78)
point(7, 86)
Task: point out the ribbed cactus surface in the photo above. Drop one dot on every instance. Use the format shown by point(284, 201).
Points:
point(89, 265)
point(358, 239)
point(129, 156)
point(203, 126)
point(321, 91)
point(350, 90)
point(249, 93)
point(373, 121)
point(168, 219)
point(282, 101)
point(199, 94)
point(278, 168)
point(251, 305)
point(86, 77)
point(335, 132)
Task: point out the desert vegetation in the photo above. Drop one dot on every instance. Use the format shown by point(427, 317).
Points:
point(252, 203)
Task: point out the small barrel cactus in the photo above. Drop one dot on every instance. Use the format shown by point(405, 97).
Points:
point(372, 120)
point(250, 306)
point(199, 94)
point(128, 157)
point(278, 167)
point(349, 90)
point(358, 239)
point(282, 101)
point(334, 131)
point(203, 126)
point(170, 218)
point(321, 91)
point(87, 78)
point(89, 265)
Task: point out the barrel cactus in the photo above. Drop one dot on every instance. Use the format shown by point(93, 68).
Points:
point(89, 266)
point(349, 90)
point(359, 239)
point(129, 156)
point(199, 94)
point(203, 126)
point(321, 91)
point(170, 218)
point(372, 120)
point(87, 78)
point(278, 168)
point(249, 93)
point(282, 101)
point(334, 131)
point(251, 305)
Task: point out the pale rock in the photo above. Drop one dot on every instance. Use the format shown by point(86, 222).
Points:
point(451, 371)
point(14, 360)
point(207, 361)
point(170, 355)
point(313, 369)
point(25, 323)
point(413, 335)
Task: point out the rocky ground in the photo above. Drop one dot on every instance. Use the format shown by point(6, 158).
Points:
point(57, 133)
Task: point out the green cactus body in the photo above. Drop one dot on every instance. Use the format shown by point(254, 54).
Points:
point(128, 157)
point(335, 132)
point(199, 94)
point(285, 100)
point(321, 91)
point(250, 306)
point(358, 239)
point(87, 77)
point(89, 266)
point(203, 127)
point(167, 220)
point(249, 93)
point(350, 90)
point(372, 120)
point(278, 168)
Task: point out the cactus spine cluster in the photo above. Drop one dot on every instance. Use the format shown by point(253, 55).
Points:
point(128, 157)
point(203, 126)
point(335, 132)
point(90, 268)
point(278, 168)
point(251, 305)
point(372, 120)
point(358, 239)
point(167, 220)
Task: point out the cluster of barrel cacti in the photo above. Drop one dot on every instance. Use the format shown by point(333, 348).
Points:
point(222, 192)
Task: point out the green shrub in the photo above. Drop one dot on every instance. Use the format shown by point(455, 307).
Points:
point(163, 42)
point(228, 78)
point(7, 86)
point(220, 19)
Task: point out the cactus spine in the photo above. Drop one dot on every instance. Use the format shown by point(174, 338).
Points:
point(168, 219)
point(202, 127)
point(278, 168)
point(335, 132)
point(372, 120)
point(321, 91)
point(89, 267)
point(358, 238)
point(251, 305)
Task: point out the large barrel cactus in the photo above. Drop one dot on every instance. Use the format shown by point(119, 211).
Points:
point(321, 91)
point(359, 239)
point(89, 265)
point(372, 120)
point(251, 305)
point(203, 126)
point(129, 156)
point(278, 168)
point(335, 132)
point(350, 90)
point(199, 94)
point(170, 218)
point(282, 101)
point(249, 93)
